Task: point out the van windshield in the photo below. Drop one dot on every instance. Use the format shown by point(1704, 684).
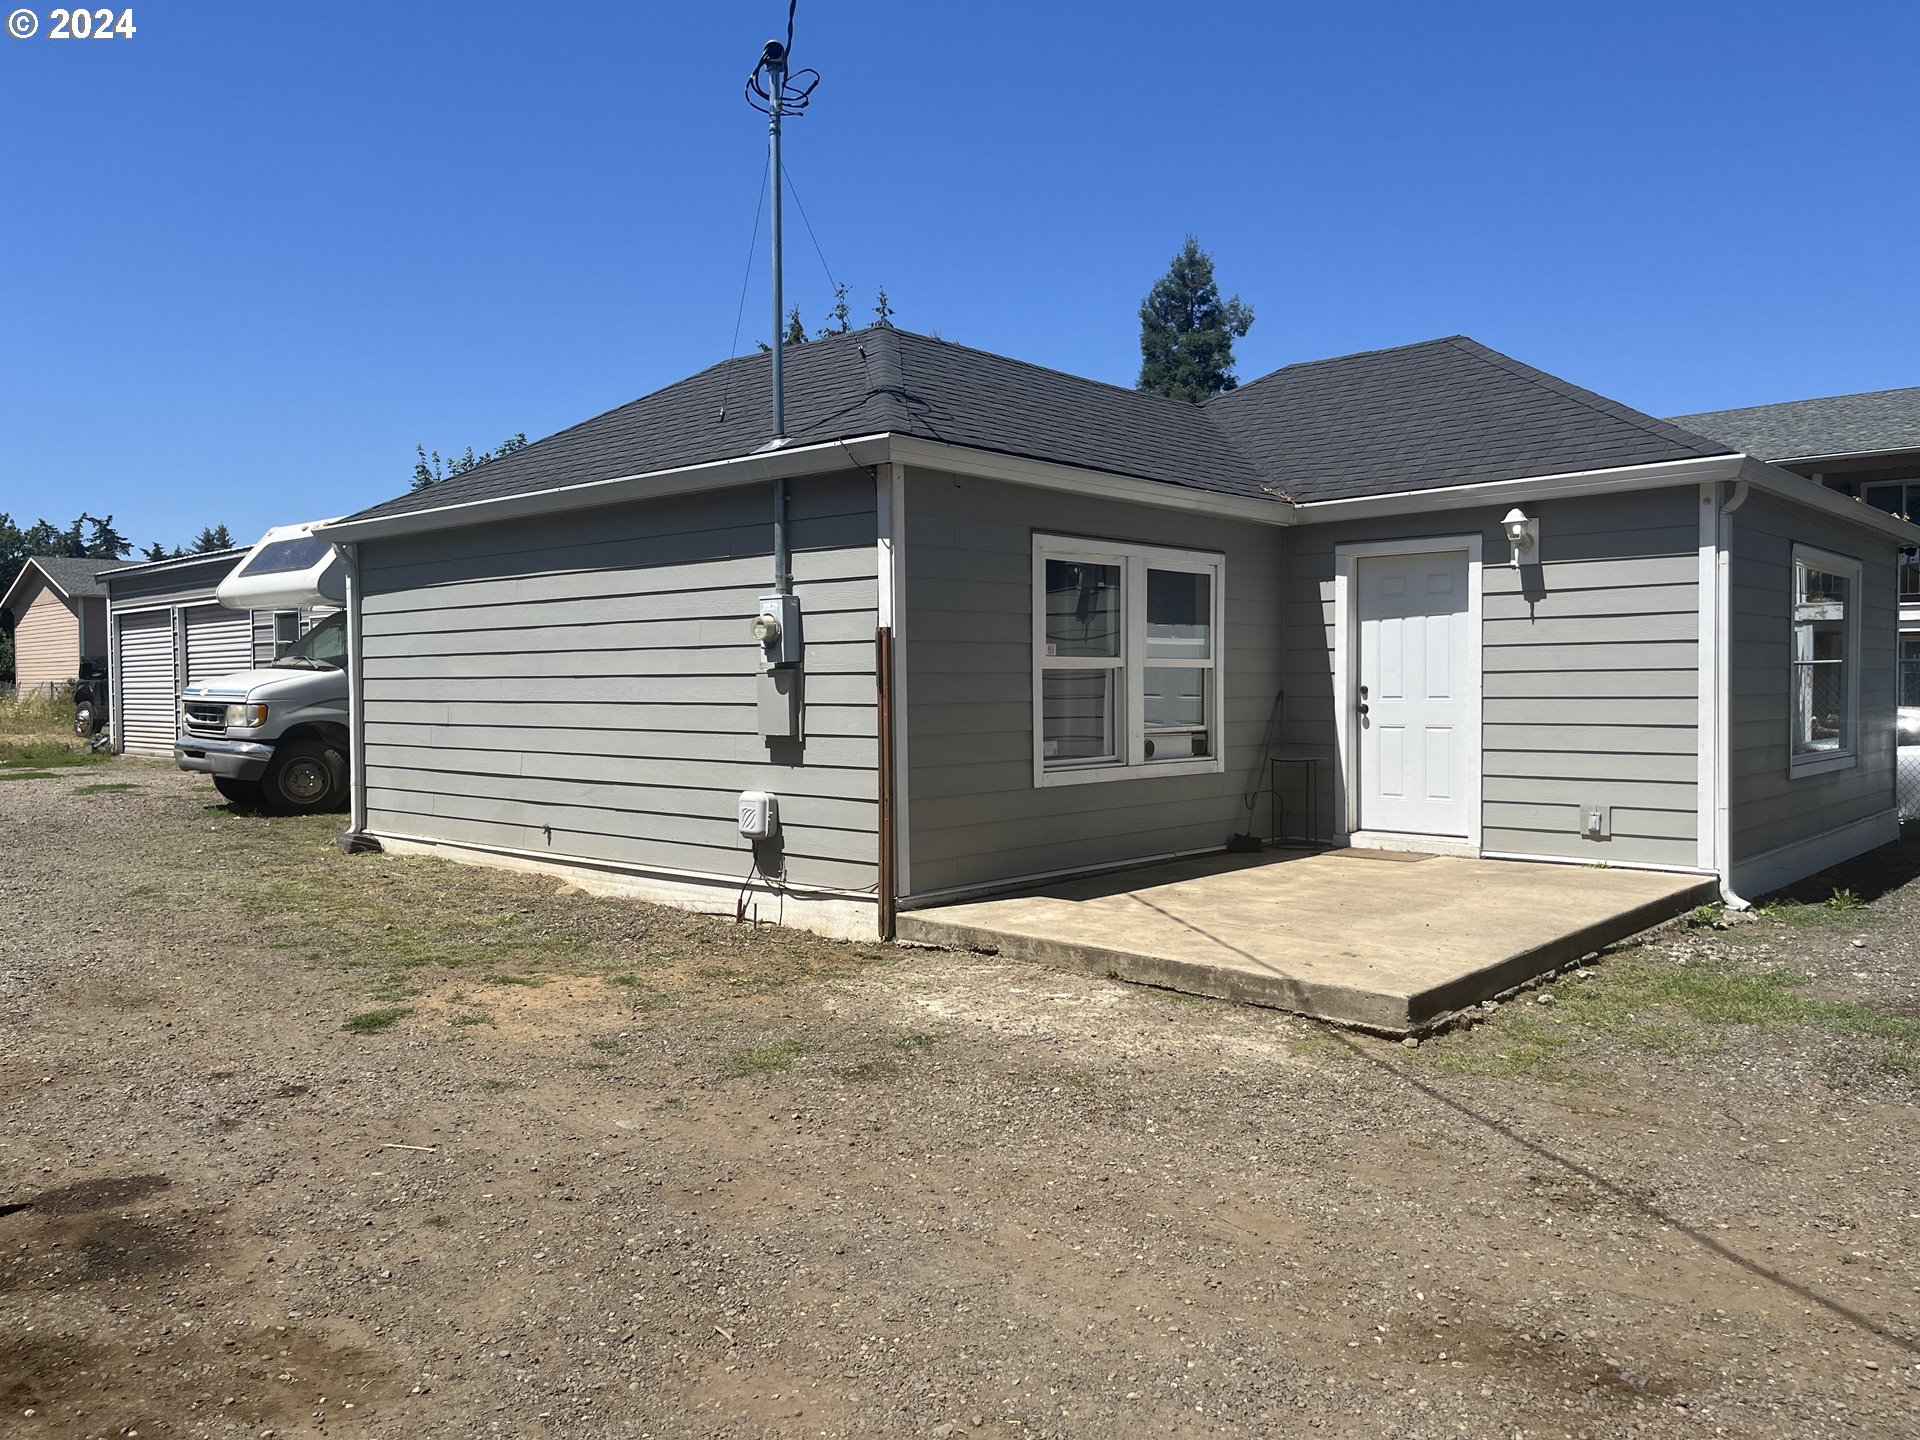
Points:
point(322, 648)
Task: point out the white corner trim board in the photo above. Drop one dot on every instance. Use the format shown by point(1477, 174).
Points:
point(1712, 681)
point(890, 496)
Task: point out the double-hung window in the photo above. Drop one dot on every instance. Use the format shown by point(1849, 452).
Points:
point(1824, 694)
point(1126, 660)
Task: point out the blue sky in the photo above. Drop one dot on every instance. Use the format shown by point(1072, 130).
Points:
point(256, 252)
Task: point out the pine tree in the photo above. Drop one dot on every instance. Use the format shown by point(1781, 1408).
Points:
point(156, 551)
point(212, 538)
point(431, 468)
point(839, 318)
point(1187, 331)
point(106, 543)
point(796, 332)
point(883, 310)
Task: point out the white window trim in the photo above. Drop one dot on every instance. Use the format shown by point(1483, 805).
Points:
point(1134, 561)
point(1801, 766)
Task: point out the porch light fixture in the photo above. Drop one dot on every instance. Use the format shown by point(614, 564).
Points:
point(1524, 535)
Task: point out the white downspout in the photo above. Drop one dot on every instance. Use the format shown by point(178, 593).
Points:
point(1722, 677)
point(355, 837)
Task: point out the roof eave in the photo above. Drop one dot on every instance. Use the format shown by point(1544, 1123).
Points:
point(1086, 480)
point(172, 562)
point(785, 462)
point(1828, 456)
point(1698, 469)
point(1771, 479)
point(797, 460)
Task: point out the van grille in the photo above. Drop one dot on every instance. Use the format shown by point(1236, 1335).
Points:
point(205, 719)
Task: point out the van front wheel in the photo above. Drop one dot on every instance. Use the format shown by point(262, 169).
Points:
point(305, 778)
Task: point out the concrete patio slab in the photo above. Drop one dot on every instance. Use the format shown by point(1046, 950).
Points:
point(1387, 942)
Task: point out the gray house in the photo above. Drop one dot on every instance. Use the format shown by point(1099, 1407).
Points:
point(1038, 625)
point(1865, 445)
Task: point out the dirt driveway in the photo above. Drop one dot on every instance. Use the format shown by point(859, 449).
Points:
point(297, 1143)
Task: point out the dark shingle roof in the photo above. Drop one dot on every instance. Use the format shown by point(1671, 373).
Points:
point(76, 576)
point(1875, 422)
point(1445, 412)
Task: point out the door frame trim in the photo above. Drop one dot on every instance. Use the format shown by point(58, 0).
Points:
point(1346, 640)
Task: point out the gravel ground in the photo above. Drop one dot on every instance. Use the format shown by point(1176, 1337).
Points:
point(587, 1168)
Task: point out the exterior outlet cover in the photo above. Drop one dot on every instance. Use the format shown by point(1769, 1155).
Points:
point(759, 815)
point(1596, 822)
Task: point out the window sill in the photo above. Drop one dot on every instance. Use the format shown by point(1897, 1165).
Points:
point(1800, 766)
point(1099, 774)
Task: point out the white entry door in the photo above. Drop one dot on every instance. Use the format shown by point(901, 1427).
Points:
point(1412, 694)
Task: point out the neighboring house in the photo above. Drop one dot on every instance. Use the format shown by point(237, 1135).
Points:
point(59, 611)
point(1043, 622)
point(1865, 445)
point(170, 631)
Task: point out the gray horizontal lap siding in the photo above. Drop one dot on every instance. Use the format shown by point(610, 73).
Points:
point(975, 815)
point(592, 676)
point(1770, 809)
point(1590, 679)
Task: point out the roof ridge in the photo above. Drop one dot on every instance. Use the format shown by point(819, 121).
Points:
point(1133, 390)
point(1592, 399)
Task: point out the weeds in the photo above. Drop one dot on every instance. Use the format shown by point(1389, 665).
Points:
point(369, 1022)
point(1665, 1010)
point(115, 788)
point(913, 1044)
point(766, 1059)
point(46, 755)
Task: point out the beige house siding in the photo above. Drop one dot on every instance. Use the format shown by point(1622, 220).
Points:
point(46, 641)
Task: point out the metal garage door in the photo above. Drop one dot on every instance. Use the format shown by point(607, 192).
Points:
point(219, 642)
point(146, 697)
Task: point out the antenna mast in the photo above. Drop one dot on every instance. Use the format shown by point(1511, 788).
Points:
point(777, 90)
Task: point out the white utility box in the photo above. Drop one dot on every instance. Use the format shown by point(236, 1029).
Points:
point(759, 815)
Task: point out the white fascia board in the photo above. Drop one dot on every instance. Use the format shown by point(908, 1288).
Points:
point(1692, 471)
point(1084, 480)
point(1798, 490)
point(784, 463)
point(21, 579)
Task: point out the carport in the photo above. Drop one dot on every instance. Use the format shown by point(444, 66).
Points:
point(1382, 940)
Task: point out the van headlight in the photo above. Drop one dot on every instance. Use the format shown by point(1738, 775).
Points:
point(246, 717)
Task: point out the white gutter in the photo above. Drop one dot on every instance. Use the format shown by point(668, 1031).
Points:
point(1692, 471)
point(1798, 490)
point(789, 460)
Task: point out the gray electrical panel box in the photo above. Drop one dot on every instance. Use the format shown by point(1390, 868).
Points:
point(780, 703)
point(1596, 821)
